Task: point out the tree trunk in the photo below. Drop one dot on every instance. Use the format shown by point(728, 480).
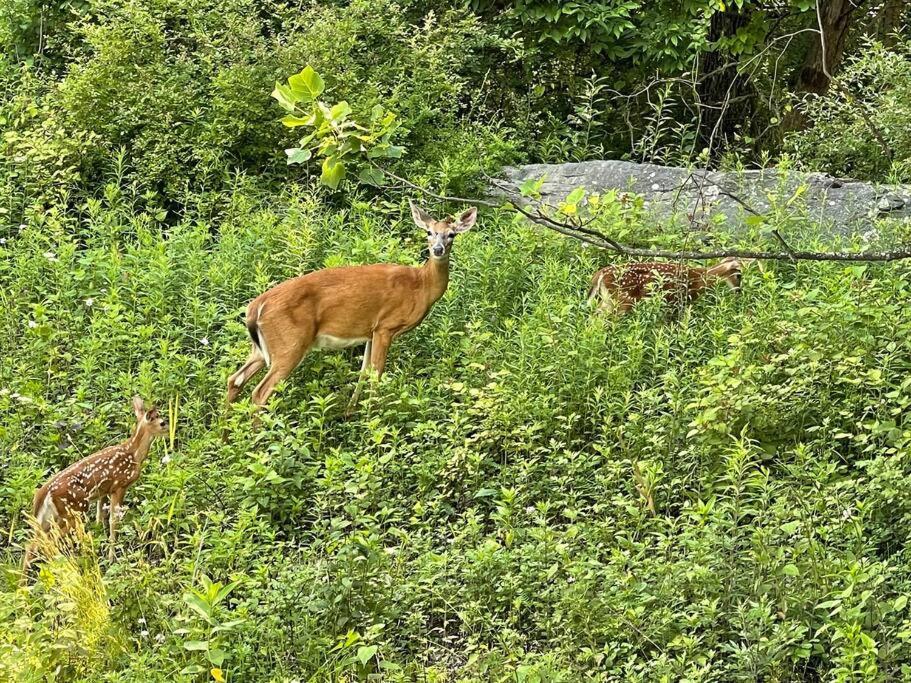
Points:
point(888, 19)
point(726, 97)
point(836, 20)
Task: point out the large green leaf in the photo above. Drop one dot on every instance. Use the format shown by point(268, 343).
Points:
point(298, 155)
point(307, 85)
point(372, 176)
point(284, 96)
point(333, 172)
point(365, 653)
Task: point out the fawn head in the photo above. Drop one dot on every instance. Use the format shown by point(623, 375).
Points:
point(730, 271)
point(148, 420)
point(440, 234)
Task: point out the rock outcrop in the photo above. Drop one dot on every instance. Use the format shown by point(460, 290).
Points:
point(841, 205)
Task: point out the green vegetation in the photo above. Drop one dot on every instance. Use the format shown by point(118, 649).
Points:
point(485, 514)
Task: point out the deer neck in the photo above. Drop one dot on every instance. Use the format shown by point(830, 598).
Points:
point(139, 444)
point(435, 275)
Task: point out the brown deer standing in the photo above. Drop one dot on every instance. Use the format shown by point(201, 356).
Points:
point(105, 474)
point(620, 287)
point(335, 308)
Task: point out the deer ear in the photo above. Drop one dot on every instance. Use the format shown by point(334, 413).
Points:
point(421, 217)
point(466, 220)
point(139, 409)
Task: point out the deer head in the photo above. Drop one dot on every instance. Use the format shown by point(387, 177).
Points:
point(729, 271)
point(440, 234)
point(148, 420)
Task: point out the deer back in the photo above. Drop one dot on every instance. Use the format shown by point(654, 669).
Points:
point(96, 475)
point(351, 302)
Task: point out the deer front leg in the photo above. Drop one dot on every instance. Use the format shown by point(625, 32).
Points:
point(113, 514)
point(380, 347)
point(365, 366)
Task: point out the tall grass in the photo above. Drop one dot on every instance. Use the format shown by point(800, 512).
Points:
point(531, 491)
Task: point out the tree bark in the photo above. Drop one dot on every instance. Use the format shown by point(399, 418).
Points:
point(726, 96)
point(888, 19)
point(836, 16)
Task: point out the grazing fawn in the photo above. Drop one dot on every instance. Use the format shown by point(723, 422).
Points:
point(620, 287)
point(106, 474)
point(335, 308)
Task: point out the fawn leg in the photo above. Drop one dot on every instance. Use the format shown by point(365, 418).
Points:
point(116, 500)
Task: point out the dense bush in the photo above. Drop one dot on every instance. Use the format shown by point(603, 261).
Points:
point(873, 98)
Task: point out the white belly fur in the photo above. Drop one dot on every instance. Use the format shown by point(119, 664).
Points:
point(330, 343)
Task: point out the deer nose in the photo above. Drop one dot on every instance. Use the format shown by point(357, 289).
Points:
point(438, 250)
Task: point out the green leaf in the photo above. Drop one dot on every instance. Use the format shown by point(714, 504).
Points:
point(298, 155)
point(224, 592)
point(575, 196)
point(333, 172)
point(485, 493)
point(307, 85)
point(217, 657)
point(339, 112)
point(193, 669)
point(365, 653)
point(199, 606)
point(195, 645)
point(900, 603)
point(284, 96)
point(292, 121)
point(372, 176)
point(790, 570)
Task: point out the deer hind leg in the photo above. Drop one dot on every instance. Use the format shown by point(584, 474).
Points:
point(254, 363)
point(116, 501)
point(283, 364)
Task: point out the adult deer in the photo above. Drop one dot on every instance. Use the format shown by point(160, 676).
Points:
point(105, 474)
point(620, 287)
point(335, 308)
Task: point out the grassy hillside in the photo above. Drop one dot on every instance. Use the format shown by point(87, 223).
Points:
point(483, 516)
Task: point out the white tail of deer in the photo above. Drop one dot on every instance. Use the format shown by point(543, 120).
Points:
point(620, 287)
point(339, 307)
point(105, 474)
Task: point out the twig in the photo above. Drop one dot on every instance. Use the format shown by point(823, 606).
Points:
point(783, 242)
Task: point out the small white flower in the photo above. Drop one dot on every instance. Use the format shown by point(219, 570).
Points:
point(204, 341)
point(50, 256)
point(32, 324)
point(166, 459)
point(141, 620)
point(2, 240)
point(89, 302)
point(144, 633)
point(22, 226)
point(4, 391)
point(160, 638)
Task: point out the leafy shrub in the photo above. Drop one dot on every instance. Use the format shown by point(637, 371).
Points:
point(838, 139)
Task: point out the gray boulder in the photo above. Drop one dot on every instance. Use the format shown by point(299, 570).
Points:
point(842, 205)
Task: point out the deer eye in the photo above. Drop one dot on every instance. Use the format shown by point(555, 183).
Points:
point(451, 235)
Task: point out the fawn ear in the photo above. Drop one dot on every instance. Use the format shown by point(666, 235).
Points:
point(421, 217)
point(139, 409)
point(466, 220)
